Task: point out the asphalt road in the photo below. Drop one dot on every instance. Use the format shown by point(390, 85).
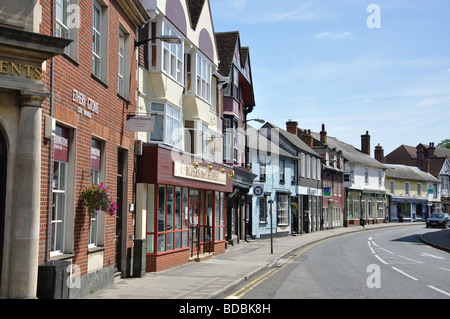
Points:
point(384, 264)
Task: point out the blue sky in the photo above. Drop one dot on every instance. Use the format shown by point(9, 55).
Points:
point(317, 61)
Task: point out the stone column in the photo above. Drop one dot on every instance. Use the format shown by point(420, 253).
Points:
point(26, 210)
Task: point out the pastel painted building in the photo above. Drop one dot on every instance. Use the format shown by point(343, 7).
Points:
point(181, 179)
point(411, 192)
point(276, 171)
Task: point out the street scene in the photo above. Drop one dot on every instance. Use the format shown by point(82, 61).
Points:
point(238, 153)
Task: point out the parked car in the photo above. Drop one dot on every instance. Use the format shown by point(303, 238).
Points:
point(438, 219)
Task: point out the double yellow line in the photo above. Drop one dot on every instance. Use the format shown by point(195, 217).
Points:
point(251, 285)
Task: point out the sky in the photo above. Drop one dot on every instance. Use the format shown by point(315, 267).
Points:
point(381, 66)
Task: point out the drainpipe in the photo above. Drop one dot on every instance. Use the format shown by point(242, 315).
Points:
point(50, 166)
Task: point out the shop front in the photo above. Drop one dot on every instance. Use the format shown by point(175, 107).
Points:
point(405, 209)
point(180, 207)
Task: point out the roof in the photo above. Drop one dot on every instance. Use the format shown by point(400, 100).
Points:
point(409, 173)
point(350, 153)
point(294, 140)
point(256, 140)
point(226, 45)
point(195, 9)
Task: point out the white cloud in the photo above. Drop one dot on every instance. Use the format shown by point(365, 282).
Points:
point(329, 35)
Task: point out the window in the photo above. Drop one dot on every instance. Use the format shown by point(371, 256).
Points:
point(235, 88)
point(68, 23)
point(293, 174)
point(366, 175)
point(173, 56)
point(121, 69)
point(319, 169)
point(407, 188)
point(419, 189)
point(302, 165)
point(283, 209)
point(167, 124)
point(95, 180)
point(313, 168)
point(380, 178)
point(262, 167)
point(392, 187)
point(282, 169)
point(59, 188)
point(203, 79)
point(96, 39)
point(62, 28)
point(263, 209)
point(230, 136)
point(308, 166)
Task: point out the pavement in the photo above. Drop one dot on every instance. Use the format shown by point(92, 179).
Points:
point(219, 274)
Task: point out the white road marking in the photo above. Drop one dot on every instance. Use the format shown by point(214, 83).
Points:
point(430, 255)
point(381, 260)
point(439, 290)
point(405, 274)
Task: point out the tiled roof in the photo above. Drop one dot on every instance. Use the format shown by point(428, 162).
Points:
point(408, 173)
point(226, 45)
point(195, 9)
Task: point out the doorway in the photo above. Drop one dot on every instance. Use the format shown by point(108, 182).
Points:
point(194, 240)
point(119, 214)
point(3, 164)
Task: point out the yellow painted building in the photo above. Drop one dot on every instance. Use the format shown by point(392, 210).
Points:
point(412, 193)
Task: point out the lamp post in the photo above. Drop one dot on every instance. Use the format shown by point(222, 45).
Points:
point(165, 38)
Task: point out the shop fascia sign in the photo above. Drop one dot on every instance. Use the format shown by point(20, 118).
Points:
point(199, 173)
point(15, 68)
point(86, 105)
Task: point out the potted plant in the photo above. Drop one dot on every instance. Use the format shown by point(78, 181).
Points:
point(97, 198)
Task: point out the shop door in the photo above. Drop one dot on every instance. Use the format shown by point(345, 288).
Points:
point(194, 239)
point(3, 157)
point(119, 212)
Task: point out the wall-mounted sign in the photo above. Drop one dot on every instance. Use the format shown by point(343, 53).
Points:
point(86, 105)
point(327, 191)
point(20, 69)
point(258, 190)
point(200, 173)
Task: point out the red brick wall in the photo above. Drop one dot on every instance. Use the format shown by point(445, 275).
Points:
point(109, 123)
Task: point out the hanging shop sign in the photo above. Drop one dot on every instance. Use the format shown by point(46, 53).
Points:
point(140, 123)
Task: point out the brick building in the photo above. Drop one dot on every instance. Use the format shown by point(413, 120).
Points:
point(93, 85)
point(71, 135)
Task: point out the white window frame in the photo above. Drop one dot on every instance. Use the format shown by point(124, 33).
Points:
point(419, 189)
point(167, 115)
point(283, 210)
point(121, 64)
point(97, 39)
point(172, 63)
point(407, 188)
point(204, 78)
point(60, 209)
point(392, 187)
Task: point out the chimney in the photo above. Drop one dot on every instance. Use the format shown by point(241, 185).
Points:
point(365, 143)
point(422, 162)
point(431, 150)
point(323, 135)
point(291, 127)
point(379, 153)
point(307, 138)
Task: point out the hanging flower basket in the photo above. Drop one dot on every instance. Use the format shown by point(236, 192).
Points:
point(97, 198)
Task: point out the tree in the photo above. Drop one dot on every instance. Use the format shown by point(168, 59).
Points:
point(445, 143)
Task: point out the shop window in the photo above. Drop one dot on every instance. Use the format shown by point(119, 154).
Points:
point(96, 179)
point(59, 189)
point(283, 209)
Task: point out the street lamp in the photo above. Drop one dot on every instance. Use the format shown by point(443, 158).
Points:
point(165, 38)
point(257, 120)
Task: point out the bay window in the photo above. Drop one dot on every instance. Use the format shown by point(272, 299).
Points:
point(203, 79)
point(173, 56)
point(167, 123)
